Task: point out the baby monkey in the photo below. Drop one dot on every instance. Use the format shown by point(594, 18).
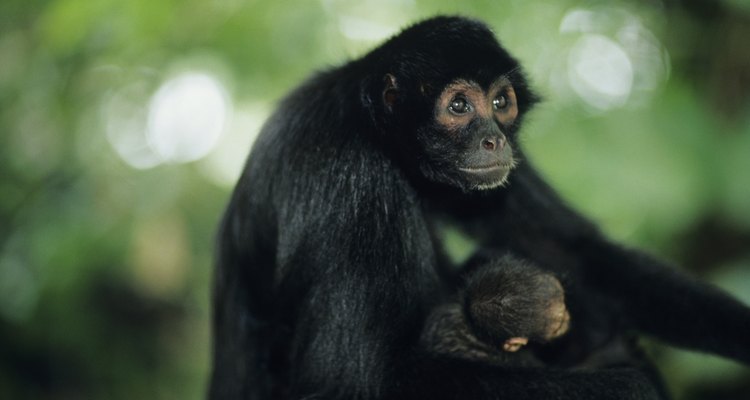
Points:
point(505, 304)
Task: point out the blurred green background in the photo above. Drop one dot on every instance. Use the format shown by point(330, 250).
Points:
point(123, 125)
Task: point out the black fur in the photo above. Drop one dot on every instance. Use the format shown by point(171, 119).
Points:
point(328, 267)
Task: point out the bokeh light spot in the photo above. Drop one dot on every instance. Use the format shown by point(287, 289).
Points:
point(187, 116)
point(600, 71)
point(613, 60)
point(125, 117)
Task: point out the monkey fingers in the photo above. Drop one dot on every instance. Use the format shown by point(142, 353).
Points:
point(514, 344)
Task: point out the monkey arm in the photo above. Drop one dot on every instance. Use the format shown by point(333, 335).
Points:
point(241, 329)
point(666, 303)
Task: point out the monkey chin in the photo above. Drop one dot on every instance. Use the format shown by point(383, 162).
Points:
point(487, 178)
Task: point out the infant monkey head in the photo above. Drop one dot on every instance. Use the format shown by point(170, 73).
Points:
point(504, 305)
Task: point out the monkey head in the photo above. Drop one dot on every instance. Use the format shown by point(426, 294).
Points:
point(453, 105)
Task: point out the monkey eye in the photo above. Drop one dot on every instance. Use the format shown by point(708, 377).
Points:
point(459, 105)
point(500, 102)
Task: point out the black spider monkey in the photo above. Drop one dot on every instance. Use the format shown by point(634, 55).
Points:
point(329, 264)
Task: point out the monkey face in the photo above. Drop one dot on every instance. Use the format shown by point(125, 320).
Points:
point(469, 142)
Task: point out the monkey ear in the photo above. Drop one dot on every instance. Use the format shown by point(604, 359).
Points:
point(390, 91)
point(379, 96)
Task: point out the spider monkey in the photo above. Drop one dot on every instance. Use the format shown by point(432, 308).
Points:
point(329, 268)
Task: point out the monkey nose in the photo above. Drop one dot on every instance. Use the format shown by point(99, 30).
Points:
point(490, 144)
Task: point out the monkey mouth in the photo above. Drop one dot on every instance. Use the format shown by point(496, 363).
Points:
point(485, 169)
point(483, 177)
